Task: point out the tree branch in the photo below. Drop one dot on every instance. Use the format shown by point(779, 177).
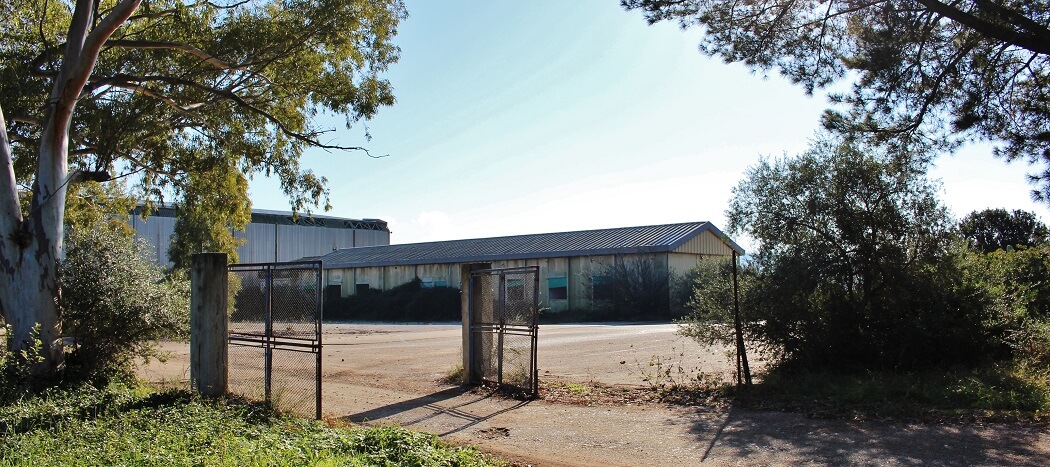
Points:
point(94, 42)
point(1017, 19)
point(131, 86)
point(309, 139)
point(145, 45)
point(10, 211)
point(1028, 41)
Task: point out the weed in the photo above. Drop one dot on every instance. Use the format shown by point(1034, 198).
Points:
point(454, 375)
point(119, 425)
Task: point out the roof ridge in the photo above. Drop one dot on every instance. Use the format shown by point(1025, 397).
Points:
point(697, 223)
point(609, 241)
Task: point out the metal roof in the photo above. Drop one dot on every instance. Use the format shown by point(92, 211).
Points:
point(267, 216)
point(624, 240)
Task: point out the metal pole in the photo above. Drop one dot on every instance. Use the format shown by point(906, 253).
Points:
point(741, 351)
point(535, 330)
point(319, 333)
point(267, 336)
point(499, 340)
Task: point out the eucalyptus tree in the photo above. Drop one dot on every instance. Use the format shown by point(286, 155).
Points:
point(190, 96)
point(921, 70)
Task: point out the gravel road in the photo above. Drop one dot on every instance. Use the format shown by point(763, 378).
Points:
point(387, 373)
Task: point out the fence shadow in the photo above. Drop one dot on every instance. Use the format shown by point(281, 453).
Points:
point(459, 406)
point(791, 438)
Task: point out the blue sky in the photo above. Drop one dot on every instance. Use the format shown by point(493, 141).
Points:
point(545, 116)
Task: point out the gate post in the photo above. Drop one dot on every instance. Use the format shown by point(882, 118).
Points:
point(208, 324)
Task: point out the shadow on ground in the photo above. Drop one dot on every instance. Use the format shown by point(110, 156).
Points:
point(458, 415)
point(787, 437)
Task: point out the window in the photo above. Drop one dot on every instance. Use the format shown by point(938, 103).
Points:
point(429, 283)
point(361, 288)
point(557, 288)
point(515, 289)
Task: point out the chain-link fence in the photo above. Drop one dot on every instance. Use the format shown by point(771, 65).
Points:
point(504, 305)
point(275, 334)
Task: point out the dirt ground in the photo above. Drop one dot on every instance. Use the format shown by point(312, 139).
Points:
point(390, 373)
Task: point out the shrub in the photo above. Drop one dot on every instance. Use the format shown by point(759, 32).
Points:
point(853, 271)
point(1015, 288)
point(631, 290)
point(406, 302)
point(116, 302)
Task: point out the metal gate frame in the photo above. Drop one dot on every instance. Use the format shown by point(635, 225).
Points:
point(268, 341)
point(501, 327)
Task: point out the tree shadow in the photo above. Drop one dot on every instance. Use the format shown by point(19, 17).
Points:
point(778, 437)
point(445, 403)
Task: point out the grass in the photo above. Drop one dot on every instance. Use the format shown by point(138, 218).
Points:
point(1004, 391)
point(118, 425)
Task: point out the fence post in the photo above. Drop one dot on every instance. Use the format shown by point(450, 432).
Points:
point(208, 324)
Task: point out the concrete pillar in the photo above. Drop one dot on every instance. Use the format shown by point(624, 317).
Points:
point(208, 324)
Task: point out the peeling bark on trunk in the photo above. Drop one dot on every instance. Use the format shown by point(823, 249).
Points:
point(31, 246)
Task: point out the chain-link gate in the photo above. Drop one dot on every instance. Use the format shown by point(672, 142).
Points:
point(275, 334)
point(503, 312)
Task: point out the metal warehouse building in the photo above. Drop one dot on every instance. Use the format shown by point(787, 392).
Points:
point(567, 261)
point(273, 236)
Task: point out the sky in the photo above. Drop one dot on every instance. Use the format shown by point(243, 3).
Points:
point(549, 116)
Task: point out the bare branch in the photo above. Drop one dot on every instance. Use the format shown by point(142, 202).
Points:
point(124, 83)
point(27, 120)
point(145, 45)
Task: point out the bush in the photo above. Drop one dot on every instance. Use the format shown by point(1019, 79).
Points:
point(16, 368)
point(1015, 291)
point(631, 290)
point(853, 271)
point(116, 302)
point(406, 302)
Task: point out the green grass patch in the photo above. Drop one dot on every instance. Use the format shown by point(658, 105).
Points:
point(993, 392)
point(121, 426)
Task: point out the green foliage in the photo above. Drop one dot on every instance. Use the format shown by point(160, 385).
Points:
point(930, 72)
point(851, 269)
point(197, 97)
point(117, 426)
point(994, 229)
point(406, 302)
point(116, 302)
point(711, 321)
point(215, 204)
point(17, 377)
point(1015, 286)
point(91, 205)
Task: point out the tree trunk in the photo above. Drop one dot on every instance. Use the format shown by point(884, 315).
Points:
point(30, 246)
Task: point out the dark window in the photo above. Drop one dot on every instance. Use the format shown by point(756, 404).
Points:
point(361, 288)
point(557, 288)
point(515, 289)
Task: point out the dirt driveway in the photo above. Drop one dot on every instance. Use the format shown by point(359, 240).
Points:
point(384, 373)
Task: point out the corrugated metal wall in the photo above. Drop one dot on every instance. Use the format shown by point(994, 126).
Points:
point(297, 241)
point(706, 243)
point(267, 242)
point(157, 231)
